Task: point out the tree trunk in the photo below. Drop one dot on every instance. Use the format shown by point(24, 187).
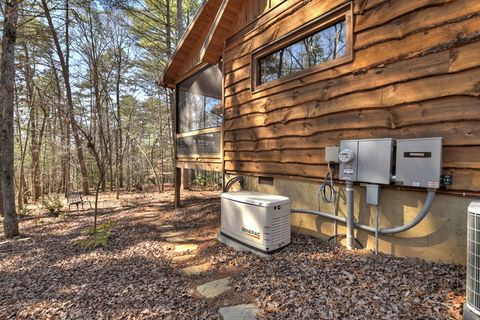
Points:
point(21, 198)
point(185, 179)
point(64, 62)
point(180, 29)
point(35, 148)
point(7, 99)
point(118, 136)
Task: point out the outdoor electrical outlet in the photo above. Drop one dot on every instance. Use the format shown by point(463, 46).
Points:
point(446, 180)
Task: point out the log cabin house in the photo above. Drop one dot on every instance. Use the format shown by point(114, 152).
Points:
point(264, 86)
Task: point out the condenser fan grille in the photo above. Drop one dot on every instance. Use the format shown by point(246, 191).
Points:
point(473, 260)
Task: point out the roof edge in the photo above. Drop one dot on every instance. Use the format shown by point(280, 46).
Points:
point(164, 81)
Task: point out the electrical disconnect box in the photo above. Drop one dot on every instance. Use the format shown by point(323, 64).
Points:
point(419, 162)
point(367, 160)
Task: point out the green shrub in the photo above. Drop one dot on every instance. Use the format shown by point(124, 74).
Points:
point(96, 238)
point(24, 212)
point(53, 204)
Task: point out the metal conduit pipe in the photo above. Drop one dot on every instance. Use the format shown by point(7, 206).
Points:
point(321, 214)
point(420, 216)
point(350, 216)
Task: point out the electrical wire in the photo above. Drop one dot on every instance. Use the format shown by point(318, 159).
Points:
point(239, 179)
point(327, 192)
point(344, 236)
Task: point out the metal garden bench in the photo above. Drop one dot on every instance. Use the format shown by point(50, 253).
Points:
point(76, 198)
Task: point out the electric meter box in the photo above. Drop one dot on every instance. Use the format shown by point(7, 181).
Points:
point(371, 161)
point(419, 162)
point(348, 160)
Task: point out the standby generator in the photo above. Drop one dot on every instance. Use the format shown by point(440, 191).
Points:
point(256, 220)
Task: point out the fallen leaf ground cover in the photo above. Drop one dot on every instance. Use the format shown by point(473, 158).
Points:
point(45, 275)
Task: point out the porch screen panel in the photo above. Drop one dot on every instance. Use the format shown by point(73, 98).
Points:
point(199, 116)
point(199, 101)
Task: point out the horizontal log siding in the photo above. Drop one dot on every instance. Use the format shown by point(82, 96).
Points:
point(415, 73)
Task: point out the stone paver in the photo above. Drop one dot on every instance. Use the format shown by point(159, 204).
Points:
point(150, 209)
point(185, 247)
point(163, 226)
point(214, 288)
point(194, 270)
point(240, 312)
point(177, 239)
point(184, 258)
point(168, 234)
point(181, 239)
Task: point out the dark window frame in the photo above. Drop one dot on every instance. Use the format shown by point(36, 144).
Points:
point(344, 12)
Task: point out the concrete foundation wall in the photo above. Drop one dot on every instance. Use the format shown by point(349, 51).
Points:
point(441, 236)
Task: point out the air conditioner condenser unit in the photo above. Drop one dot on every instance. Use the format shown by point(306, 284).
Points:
point(256, 220)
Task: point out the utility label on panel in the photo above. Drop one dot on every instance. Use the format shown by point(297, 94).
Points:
point(433, 184)
point(348, 171)
point(417, 154)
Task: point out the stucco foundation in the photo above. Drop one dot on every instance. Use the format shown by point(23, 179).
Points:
point(441, 236)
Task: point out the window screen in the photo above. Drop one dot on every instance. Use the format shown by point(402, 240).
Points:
point(319, 47)
point(199, 101)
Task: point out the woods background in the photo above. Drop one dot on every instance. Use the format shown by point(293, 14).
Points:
point(87, 109)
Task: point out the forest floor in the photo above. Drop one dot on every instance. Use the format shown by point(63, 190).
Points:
point(46, 275)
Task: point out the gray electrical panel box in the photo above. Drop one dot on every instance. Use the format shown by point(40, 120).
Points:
point(375, 160)
point(366, 160)
point(419, 162)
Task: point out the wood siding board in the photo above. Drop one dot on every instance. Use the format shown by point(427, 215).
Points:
point(361, 6)
point(316, 171)
point(250, 26)
point(391, 10)
point(418, 21)
point(238, 87)
point(461, 157)
point(237, 76)
point(435, 39)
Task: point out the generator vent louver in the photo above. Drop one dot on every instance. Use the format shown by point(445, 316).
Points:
point(473, 258)
point(280, 228)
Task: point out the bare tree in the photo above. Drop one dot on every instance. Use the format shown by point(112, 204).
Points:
point(7, 101)
point(64, 63)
